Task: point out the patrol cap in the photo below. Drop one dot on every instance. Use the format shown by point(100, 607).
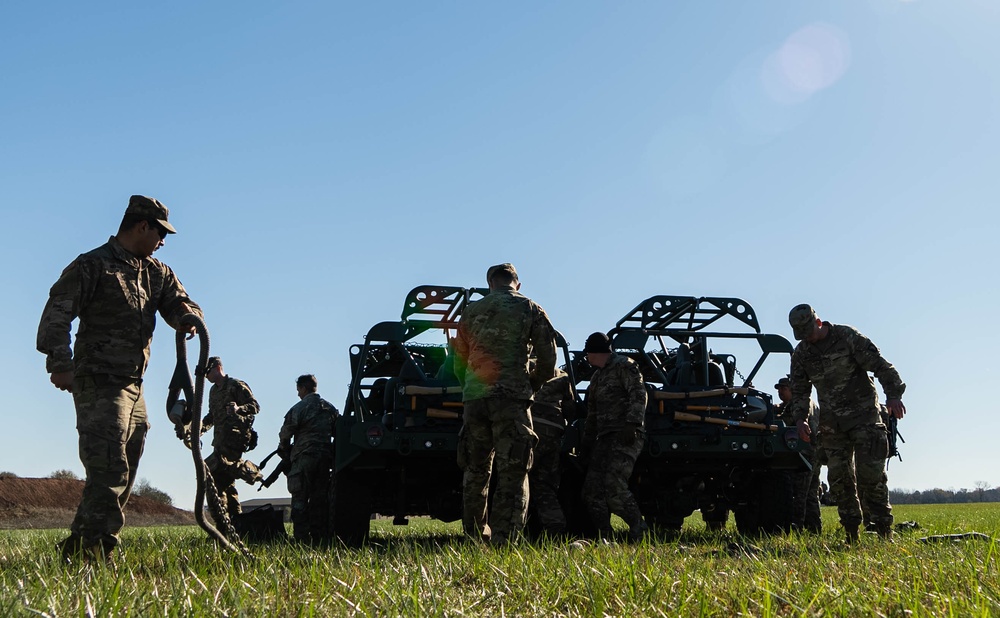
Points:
point(506, 267)
point(597, 343)
point(149, 208)
point(213, 362)
point(801, 318)
point(785, 381)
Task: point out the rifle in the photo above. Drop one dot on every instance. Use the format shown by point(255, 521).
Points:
point(892, 428)
point(283, 466)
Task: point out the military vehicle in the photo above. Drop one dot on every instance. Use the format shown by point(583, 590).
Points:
point(397, 439)
point(711, 444)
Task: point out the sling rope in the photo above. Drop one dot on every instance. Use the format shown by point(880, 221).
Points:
point(182, 412)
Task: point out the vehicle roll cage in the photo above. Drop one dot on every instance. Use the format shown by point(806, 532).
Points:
point(389, 346)
point(685, 320)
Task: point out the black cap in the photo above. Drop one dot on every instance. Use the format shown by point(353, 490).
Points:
point(597, 343)
point(785, 381)
point(802, 318)
point(150, 208)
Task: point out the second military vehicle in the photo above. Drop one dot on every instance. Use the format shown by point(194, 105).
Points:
point(712, 443)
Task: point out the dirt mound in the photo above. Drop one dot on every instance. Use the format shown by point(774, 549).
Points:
point(51, 503)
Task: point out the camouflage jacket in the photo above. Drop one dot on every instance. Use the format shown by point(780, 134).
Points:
point(116, 296)
point(784, 412)
point(496, 337)
point(838, 367)
point(616, 398)
point(310, 422)
point(555, 401)
point(232, 429)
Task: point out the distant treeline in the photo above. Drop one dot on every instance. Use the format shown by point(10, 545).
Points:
point(944, 496)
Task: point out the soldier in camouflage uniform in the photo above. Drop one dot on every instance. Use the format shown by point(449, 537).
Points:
point(836, 360)
point(553, 403)
point(805, 505)
point(613, 436)
point(495, 338)
point(231, 411)
point(310, 423)
point(115, 291)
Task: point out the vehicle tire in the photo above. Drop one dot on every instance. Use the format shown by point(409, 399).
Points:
point(768, 508)
point(352, 508)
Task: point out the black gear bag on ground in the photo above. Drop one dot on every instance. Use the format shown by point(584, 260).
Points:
point(262, 525)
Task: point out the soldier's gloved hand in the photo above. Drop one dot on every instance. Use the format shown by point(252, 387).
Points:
point(626, 437)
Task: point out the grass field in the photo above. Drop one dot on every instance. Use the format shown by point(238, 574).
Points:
point(427, 569)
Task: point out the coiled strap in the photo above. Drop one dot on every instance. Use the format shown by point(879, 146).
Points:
point(181, 383)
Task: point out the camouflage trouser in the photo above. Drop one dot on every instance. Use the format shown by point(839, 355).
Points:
point(111, 421)
point(605, 487)
point(544, 479)
point(806, 492)
point(309, 482)
point(496, 431)
point(867, 508)
point(226, 466)
point(815, 491)
point(857, 466)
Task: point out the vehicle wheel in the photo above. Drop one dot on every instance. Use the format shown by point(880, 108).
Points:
point(352, 508)
point(768, 509)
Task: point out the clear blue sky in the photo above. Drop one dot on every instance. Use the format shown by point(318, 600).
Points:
point(321, 159)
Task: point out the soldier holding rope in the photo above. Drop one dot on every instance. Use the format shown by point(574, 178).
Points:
point(115, 291)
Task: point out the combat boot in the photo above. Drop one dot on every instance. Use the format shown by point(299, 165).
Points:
point(74, 547)
point(70, 548)
point(884, 532)
point(715, 526)
point(637, 531)
point(99, 553)
point(499, 540)
point(852, 534)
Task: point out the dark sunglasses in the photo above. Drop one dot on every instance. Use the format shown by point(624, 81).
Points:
point(162, 231)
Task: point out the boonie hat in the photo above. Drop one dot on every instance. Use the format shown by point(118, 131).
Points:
point(150, 208)
point(597, 343)
point(801, 318)
point(785, 381)
point(506, 266)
